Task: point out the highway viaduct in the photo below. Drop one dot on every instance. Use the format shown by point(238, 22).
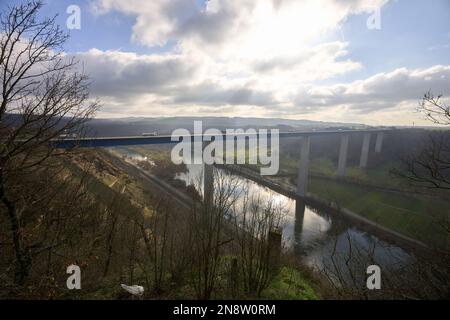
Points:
point(301, 191)
point(208, 183)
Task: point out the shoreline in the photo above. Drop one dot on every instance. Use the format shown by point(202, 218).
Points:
point(384, 233)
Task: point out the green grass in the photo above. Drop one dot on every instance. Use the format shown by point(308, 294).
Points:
point(289, 285)
point(378, 175)
point(413, 216)
point(323, 166)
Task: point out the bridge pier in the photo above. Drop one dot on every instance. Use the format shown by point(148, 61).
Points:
point(343, 151)
point(302, 178)
point(208, 183)
point(298, 225)
point(365, 151)
point(379, 142)
point(208, 179)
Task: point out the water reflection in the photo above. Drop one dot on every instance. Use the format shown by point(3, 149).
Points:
point(318, 237)
point(321, 239)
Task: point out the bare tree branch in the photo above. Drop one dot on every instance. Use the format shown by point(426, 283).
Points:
point(42, 96)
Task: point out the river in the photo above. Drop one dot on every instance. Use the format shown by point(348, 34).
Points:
point(321, 239)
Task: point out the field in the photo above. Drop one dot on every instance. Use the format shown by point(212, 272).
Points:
point(411, 215)
point(369, 192)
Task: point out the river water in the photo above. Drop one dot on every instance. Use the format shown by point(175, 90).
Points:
point(321, 239)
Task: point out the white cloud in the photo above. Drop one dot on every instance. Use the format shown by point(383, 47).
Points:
point(172, 85)
point(185, 79)
point(126, 74)
point(254, 24)
point(381, 91)
point(249, 58)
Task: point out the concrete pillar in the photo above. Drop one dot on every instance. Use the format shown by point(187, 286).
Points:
point(365, 151)
point(299, 217)
point(208, 179)
point(298, 225)
point(208, 182)
point(302, 179)
point(379, 142)
point(343, 151)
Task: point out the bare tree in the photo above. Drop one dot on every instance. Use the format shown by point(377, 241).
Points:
point(434, 109)
point(42, 96)
point(255, 220)
point(423, 275)
point(156, 238)
point(210, 232)
point(429, 167)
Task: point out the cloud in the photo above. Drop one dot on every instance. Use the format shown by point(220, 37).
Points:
point(155, 21)
point(145, 82)
point(381, 91)
point(249, 58)
point(216, 94)
point(126, 74)
point(126, 78)
point(242, 47)
point(186, 79)
point(159, 21)
point(316, 63)
point(266, 42)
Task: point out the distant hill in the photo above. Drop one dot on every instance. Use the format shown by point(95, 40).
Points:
point(135, 126)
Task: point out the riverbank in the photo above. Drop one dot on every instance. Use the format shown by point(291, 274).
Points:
point(287, 283)
point(363, 223)
point(316, 232)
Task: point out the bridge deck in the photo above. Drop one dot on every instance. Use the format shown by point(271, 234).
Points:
point(166, 139)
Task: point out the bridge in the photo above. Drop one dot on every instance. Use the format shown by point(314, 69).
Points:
point(301, 190)
point(208, 183)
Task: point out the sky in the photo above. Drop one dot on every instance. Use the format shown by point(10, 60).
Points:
point(365, 61)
